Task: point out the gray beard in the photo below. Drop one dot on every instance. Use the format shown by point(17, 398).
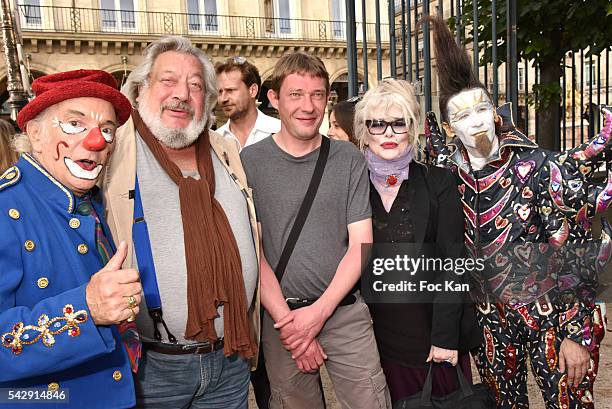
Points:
point(170, 137)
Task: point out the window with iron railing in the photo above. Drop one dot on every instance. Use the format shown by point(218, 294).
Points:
point(338, 15)
point(117, 15)
point(199, 21)
point(278, 18)
point(32, 15)
point(284, 12)
point(54, 19)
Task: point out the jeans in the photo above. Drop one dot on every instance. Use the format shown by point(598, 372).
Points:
point(192, 381)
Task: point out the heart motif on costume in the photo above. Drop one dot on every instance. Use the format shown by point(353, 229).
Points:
point(500, 260)
point(543, 247)
point(523, 169)
point(584, 169)
point(523, 252)
point(461, 189)
point(527, 192)
point(562, 159)
point(500, 222)
point(532, 229)
point(546, 211)
point(504, 182)
point(522, 211)
point(575, 184)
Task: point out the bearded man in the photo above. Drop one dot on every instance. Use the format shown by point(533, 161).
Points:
point(177, 191)
point(527, 213)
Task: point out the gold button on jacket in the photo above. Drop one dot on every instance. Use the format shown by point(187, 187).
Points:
point(53, 386)
point(14, 214)
point(82, 248)
point(43, 282)
point(117, 375)
point(29, 245)
point(74, 223)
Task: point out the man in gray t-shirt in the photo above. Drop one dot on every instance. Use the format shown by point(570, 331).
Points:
point(313, 315)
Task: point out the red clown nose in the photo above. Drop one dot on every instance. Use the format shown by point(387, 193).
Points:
point(94, 141)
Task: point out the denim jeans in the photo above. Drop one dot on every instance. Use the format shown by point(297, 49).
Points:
point(195, 381)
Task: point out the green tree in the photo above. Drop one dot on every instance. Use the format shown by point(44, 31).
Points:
point(546, 31)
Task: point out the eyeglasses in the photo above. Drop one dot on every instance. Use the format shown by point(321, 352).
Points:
point(237, 60)
point(379, 127)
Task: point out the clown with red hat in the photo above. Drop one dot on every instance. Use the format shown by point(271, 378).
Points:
point(65, 302)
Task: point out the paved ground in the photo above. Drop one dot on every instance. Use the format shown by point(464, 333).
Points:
point(603, 385)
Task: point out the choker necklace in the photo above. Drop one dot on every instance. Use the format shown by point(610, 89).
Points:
point(391, 180)
point(385, 174)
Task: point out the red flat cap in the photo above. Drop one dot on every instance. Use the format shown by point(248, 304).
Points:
point(54, 88)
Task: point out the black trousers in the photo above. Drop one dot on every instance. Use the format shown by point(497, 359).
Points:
point(261, 383)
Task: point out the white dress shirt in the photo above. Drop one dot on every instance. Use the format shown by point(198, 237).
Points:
point(264, 126)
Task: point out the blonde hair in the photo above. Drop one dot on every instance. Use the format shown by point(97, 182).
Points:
point(387, 94)
point(8, 156)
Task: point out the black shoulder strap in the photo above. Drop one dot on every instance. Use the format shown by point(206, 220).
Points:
point(300, 219)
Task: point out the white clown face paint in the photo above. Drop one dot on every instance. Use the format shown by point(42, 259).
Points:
point(471, 117)
point(81, 173)
point(79, 142)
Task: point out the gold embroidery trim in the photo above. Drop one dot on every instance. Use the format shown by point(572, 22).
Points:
point(17, 338)
point(17, 175)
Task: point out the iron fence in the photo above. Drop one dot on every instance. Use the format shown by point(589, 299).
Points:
point(585, 81)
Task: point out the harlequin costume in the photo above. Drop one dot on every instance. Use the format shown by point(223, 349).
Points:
point(527, 214)
point(48, 252)
point(513, 217)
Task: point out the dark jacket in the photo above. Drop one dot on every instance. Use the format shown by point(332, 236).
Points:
point(427, 204)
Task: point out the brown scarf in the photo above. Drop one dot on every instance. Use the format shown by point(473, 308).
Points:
point(214, 270)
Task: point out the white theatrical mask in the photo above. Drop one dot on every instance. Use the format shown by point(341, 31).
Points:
point(472, 118)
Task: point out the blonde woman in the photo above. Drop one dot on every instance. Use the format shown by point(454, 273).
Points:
point(8, 156)
point(419, 206)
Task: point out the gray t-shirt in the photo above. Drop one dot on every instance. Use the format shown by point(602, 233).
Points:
point(162, 210)
point(279, 182)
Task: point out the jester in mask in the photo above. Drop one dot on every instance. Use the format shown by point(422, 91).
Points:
point(65, 301)
point(527, 214)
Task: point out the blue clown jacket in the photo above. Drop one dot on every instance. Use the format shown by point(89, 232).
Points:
point(48, 339)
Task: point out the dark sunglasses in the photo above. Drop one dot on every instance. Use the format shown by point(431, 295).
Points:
point(379, 127)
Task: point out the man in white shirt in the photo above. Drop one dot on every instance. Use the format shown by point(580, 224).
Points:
point(239, 85)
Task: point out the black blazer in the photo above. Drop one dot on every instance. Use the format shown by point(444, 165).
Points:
point(406, 331)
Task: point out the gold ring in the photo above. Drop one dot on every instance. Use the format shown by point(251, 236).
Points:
point(132, 316)
point(132, 302)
